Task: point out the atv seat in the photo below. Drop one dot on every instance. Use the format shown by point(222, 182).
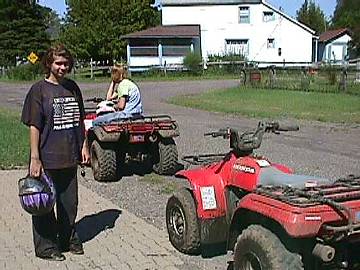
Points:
point(133, 117)
point(271, 176)
point(116, 117)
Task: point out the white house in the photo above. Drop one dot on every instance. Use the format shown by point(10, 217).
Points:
point(333, 45)
point(253, 28)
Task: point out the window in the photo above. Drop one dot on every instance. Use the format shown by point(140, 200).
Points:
point(271, 43)
point(268, 16)
point(175, 50)
point(144, 51)
point(244, 15)
point(237, 46)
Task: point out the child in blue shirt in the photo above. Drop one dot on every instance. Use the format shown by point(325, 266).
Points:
point(129, 103)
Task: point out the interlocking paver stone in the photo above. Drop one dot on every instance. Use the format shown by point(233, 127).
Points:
point(113, 238)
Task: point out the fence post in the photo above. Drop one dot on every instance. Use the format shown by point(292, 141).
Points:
point(358, 71)
point(305, 80)
point(342, 83)
point(160, 54)
point(271, 76)
point(128, 55)
point(91, 68)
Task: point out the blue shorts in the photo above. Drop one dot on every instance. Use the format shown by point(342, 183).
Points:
point(114, 117)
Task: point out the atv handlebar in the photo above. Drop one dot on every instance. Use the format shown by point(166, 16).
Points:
point(288, 128)
point(94, 99)
point(278, 127)
point(220, 133)
point(251, 139)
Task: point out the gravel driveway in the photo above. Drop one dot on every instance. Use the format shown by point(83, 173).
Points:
point(326, 150)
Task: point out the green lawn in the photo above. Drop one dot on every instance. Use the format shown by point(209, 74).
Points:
point(14, 142)
point(273, 103)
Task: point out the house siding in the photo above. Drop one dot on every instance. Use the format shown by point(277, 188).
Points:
point(219, 23)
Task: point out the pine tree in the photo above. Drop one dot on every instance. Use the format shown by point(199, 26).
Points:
point(22, 31)
point(312, 16)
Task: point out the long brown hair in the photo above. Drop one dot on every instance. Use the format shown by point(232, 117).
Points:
point(56, 50)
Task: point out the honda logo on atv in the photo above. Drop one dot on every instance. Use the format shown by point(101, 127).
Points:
point(244, 168)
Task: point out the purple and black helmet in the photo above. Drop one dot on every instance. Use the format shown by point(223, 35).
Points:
point(37, 195)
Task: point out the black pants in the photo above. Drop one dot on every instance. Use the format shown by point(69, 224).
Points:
point(56, 232)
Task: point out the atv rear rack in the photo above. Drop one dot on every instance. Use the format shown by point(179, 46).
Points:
point(343, 189)
point(203, 159)
point(142, 124)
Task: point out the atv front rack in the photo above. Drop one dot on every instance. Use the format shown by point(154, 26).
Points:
point(342, 190)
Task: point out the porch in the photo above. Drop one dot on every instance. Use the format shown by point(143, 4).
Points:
point(161, 47)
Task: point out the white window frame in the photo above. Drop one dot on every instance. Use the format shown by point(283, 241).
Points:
point(268, 16)
point(271, 43)
point(237, 46)
point(244, 14)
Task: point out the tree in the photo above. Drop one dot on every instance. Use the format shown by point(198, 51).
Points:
point(93, 29)
point(347, 15)
point(53, 24)
point(312, 16)
point(22, 30)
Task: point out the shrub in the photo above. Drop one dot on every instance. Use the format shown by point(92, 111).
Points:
point(232, 57)
point(233, 65)
point(25, 72)
point(331, 74)
point(192, 62)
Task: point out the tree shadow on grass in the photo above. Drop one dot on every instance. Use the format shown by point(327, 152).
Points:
point(91, 225)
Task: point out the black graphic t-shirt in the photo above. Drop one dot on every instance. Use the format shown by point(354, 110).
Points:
point(58, 112)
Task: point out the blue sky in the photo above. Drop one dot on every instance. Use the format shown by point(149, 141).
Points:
point(289, 6)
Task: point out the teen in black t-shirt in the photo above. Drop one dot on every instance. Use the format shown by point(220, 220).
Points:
point(54, 111)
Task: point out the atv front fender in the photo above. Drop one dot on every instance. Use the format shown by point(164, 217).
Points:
point(213, 223)
point(208, 192)
point(169, 133)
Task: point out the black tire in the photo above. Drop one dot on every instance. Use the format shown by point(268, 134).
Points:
point(258, 248)
point(182, 223)
point(103, 162)
point(165, 157)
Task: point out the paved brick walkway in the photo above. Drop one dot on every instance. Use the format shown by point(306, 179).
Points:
point(113, 238)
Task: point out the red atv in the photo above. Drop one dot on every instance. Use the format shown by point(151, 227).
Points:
point(146, 140)
point(268, 216)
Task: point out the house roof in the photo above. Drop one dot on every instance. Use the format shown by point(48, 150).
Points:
point(333, 34)
point(167, 31)
point(289, 18)
point(205, 2)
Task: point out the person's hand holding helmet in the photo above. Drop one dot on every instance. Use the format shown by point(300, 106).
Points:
point(36, 167)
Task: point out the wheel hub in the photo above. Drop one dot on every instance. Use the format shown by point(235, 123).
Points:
point(252, 262)
point(177, 221)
